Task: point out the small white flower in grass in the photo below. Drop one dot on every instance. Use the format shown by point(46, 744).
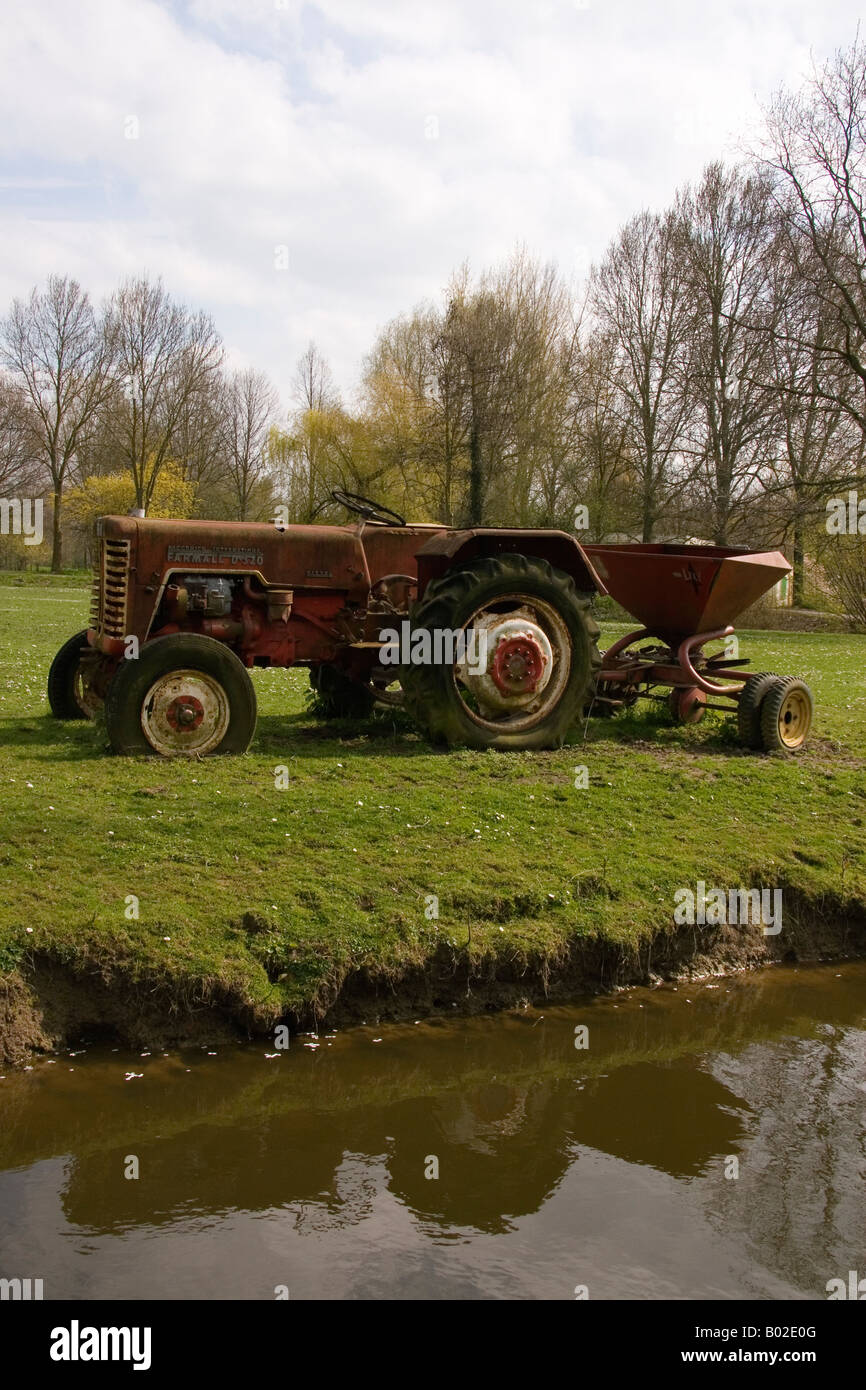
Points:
point(28, 929)
point(166, 938)
point(111, 832)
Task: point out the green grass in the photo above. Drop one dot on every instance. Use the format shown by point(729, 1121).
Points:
point(271, 896)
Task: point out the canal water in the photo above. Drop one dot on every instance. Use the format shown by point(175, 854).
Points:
point(707, 1142)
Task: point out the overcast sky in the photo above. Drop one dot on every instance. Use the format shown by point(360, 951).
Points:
point(310, 170)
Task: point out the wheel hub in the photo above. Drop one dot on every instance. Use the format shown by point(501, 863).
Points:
point(185, 712)
point(518, 664)
point(515, 666)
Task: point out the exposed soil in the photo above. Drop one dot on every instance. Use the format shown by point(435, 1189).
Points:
point(52, 1004)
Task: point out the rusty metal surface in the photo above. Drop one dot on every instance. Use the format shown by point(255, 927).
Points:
point(325, 569)
point(558, 547)
point(679, 590)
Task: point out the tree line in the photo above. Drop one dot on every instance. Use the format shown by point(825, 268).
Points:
point(708, 381)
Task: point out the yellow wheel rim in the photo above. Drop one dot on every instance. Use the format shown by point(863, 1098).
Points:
point(795, 718)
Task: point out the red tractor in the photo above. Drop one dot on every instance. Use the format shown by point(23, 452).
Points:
point(485, 636)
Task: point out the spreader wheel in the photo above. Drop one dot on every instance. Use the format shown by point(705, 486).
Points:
point(687, 706)
point(185, 696)
point(786, 715)
point(749, 708)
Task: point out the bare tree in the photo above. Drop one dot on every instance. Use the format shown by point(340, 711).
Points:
point(641, 300)
point(19, 438)
point(54, 344)
point(605, 474)
point(728, 232)
point(164, 355)
point(199, 443)
point(820, 448)
point(308, 453)
point(314, 383)
point(249, 410)
point(816, 151)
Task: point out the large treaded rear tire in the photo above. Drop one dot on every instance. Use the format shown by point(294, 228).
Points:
point(431, 695)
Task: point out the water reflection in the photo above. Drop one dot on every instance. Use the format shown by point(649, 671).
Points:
point(541, 1148)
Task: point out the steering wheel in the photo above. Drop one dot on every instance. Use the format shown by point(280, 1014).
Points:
point(369, 510)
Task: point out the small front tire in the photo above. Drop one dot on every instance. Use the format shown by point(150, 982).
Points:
point(184, 696)
point(65, 689)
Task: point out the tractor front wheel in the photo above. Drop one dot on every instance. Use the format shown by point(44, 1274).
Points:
point(184, 696)
point(70, 680)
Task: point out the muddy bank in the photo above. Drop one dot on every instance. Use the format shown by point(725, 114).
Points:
point(52, 1003)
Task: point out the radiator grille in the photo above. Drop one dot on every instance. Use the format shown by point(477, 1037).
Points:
point(110, 585)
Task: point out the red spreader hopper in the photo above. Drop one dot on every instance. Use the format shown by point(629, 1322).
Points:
point(679, 590)
point(687, 597)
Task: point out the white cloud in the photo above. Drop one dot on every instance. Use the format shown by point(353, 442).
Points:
point(381, 143)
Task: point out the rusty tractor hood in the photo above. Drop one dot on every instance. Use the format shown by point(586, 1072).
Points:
point(347, 558)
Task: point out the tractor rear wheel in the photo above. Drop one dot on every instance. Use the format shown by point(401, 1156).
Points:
point(184, 696)
point(337, 695)
point(510, 655)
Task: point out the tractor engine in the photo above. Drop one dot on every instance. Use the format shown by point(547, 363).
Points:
point(209, 596)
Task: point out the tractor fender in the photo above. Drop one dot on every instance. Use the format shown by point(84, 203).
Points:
point(449, 548)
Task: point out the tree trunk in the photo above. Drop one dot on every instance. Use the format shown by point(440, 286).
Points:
point(798, 578)
point(476, 485)
point(648, 518)
point(57, 535)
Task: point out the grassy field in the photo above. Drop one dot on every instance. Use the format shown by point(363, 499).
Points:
point(274, 895)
